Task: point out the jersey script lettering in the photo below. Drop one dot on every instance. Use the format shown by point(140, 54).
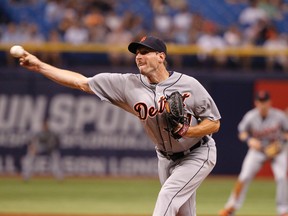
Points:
point(143, 111)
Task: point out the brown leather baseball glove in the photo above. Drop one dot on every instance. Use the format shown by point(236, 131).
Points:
point(177, 122)
point(272, 149)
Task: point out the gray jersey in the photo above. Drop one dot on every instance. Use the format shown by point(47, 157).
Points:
point(46, 141)
point(266, 130)
point(133, 93)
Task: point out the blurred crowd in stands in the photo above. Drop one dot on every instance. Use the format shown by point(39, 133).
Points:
point(115, 22)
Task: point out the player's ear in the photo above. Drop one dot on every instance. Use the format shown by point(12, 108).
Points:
point(162, 57)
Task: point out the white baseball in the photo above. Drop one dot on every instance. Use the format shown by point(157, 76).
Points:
point(17, 51)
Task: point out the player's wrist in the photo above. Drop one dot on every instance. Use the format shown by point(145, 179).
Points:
point(183, 130)
point(180, 131)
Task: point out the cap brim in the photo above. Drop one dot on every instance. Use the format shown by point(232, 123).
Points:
point(263, 99)
point(134, 46)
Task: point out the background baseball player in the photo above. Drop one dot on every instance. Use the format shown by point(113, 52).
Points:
point(185, 148)
point(265, 130)
point(46, 142)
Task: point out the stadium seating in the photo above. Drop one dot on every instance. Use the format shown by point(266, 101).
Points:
point(219, 11)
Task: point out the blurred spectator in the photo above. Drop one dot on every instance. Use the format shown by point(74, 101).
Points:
point(53, 57)
point(76, 33)
point(209, 43)
point(233, 39)
point(53, 11)
point(64, 25)
point(272, 9)
point(98, 34)
point(252, 14)
point(177, 5)
point(12, 34)
point(182, 22)
point(119, 36)
point(195, 30)
point(155, 4)
point(68, 18)
point(254, 35)
point(276, 43)
point(257, 33)
point(162, 22)
point(133, 23)
point(46, 142)
point(33, 34)
point(93, 18)
point(113, 20)
point(233, 36)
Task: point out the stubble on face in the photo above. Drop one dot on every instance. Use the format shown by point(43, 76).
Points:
point(146, 60)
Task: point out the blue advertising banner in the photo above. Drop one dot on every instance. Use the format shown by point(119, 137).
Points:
point(96, 137)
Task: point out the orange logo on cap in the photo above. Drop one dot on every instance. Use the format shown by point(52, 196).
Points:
point(143, 38)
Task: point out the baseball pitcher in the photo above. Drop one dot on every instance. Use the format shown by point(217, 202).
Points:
point(177, 113)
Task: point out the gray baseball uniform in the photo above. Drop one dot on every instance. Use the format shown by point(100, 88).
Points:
point(181, 173)
point(266, 130)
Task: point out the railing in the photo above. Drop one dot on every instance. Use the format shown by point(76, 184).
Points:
point(172, 49)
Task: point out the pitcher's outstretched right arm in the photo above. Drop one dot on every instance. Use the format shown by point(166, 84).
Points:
point(63, 77)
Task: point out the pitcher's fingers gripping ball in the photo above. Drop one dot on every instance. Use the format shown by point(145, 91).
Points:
point(17, 51)
point(25, 58)
point(29, 61)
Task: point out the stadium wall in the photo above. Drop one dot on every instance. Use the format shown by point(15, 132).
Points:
point(100, 139)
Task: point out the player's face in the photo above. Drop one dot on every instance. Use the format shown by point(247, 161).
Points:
point(263, 106)
point(147, 60)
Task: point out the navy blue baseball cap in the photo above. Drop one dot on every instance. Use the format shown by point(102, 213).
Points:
point(150, 42)
point(262, 96)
